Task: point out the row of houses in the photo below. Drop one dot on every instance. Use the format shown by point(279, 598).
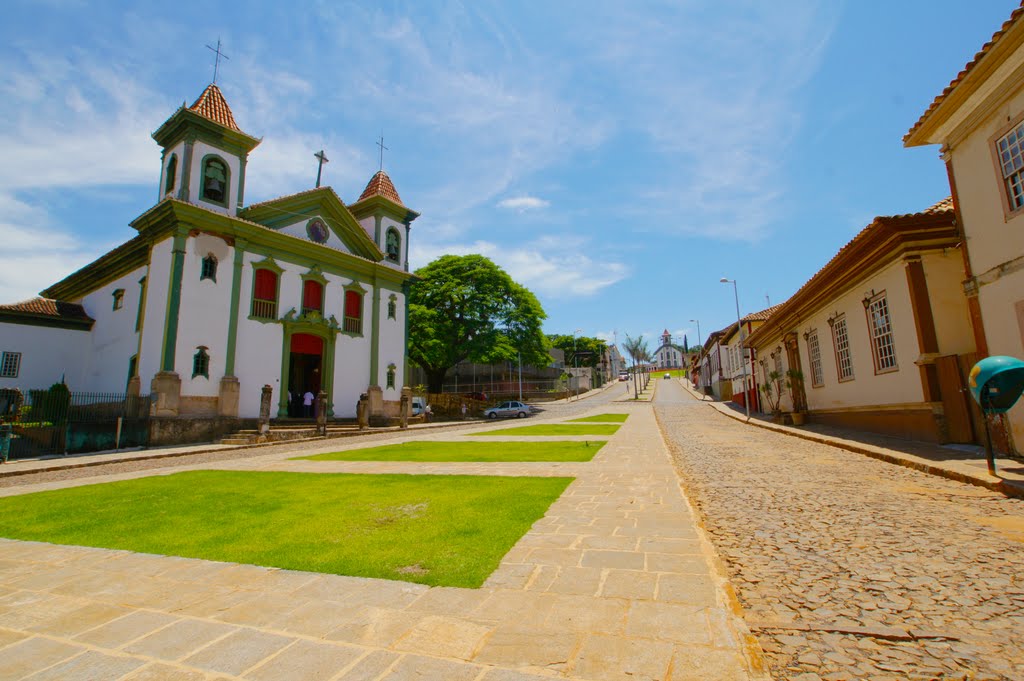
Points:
point(882, 338)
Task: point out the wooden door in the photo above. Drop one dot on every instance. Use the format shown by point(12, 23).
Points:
point(955, 399)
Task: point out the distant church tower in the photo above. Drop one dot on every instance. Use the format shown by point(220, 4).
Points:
point(204, 154)
point(666, 338)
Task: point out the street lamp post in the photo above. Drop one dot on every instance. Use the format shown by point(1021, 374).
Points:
point(520, 375)
point(697, 322)
point(739, 330)
point(576, 361)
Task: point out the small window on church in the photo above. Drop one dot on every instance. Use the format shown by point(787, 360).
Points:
point(391, 375)
point(209, 270)
point(392, 307)
point(142, 300)
point(215, 181)
point(201, 363)
point(393, 246)
point(353, 312)
point(264, 295)
point(133, 366)
point(172, 171)
point(312, 297)
point(118, 298)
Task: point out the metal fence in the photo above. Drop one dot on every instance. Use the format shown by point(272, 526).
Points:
point(55, 421)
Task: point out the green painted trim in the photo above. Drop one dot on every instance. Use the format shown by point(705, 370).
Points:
point(184, 123)
point(236, 293)
point(140, 323)
point(392, 306)
point(173, 303)
point(166, 176)
point(186, 170)
point(408, 230)
point(201, 353)
point(326, 330)
point(202, 180)
point(375, 337)
point(354, 285)
point(405, 340)
point(376, 230)
point(243, 161)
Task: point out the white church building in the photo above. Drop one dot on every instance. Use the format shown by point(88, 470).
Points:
point(214, 299)
point(668, 356)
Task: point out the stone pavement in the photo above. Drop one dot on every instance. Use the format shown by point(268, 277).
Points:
point(616, 581)
point(850, 568)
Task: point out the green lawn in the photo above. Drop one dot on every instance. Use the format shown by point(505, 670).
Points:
point(602, 418)
point(557, 429)
point(442, 530)
point(468, 451)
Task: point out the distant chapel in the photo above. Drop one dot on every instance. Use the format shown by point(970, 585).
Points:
point(213, 299)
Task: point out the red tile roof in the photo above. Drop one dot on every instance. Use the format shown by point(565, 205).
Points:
point(985, 49)
point(211, 104)
point(46, 307)
point(380, 185)
point(763, 314)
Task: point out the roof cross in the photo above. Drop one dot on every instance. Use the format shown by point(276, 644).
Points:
point(382, 149)
point(320, 156)
point(216, 63)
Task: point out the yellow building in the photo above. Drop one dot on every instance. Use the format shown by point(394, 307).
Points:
point(979, 121)
point(880, 335)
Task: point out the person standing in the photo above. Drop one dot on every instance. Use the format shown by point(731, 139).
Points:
point(307, 404)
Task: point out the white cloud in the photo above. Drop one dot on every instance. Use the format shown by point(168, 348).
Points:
point(545, 272)
point(523, 203)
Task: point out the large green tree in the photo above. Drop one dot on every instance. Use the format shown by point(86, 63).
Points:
point(467, 308)
point(589, 350)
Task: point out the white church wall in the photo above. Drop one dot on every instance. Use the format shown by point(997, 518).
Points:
point(46, 355)
point(369, 225)
point(258, 344)
point(203, 314)
point(179, 151)
point(199, 151)
point(298, 229)
point(392, 343)
point(113, 340)
point(157, 282)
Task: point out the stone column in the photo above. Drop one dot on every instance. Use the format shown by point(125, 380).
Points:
point(266, 398)
point(227, 399)
point(321, 413)
point(406, 407)
point(362, 411)
point(376, 415)
point(166, 386)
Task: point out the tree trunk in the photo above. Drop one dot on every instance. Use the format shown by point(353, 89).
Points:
point(435, 379)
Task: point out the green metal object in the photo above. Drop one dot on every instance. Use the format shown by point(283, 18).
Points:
point(996, 383)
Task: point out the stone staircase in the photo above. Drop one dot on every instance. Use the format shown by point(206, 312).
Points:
point(283, 432)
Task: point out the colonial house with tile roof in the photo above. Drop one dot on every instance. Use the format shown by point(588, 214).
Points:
point(214, 299)
point(978, 120)
point(734, 357)
point(881, 334)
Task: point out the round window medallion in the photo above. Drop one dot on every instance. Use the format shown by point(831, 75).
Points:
point(317, 231)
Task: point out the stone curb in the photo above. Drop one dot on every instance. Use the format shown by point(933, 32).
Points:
point(996, 485)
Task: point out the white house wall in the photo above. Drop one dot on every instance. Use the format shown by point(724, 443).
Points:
point(47, 354)
point(203, 314)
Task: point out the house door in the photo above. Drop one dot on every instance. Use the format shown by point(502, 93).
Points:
point(793, 362)
point(305, 363)
point(955, 399)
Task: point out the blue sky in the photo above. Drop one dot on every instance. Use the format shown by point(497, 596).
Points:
point(616, 158)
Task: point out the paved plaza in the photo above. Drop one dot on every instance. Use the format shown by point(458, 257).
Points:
point(616, 581)
point(852, 568)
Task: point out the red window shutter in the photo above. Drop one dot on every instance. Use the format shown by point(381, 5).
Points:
point(353, 305)
point(266, 285)
point(312, 296)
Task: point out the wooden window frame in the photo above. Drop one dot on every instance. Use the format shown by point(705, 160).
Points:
point(873, 340)
point(817, 378)
point(118, 295)
point(208, 268)
point(1009, 212)
point(353, 325)
point(833, 322)
point(271, 266)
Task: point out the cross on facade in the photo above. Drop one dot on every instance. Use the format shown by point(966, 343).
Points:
point(322, 158)
point(216, 63)
point(382, 150)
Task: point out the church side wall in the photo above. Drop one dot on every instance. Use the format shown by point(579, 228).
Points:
point(352, 354)
point(258, 344)
point(391, 345)
point(157, 282)
point(203, 316)
point(47, 354)
point(113, 340)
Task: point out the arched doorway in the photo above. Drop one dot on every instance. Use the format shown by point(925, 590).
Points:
point(305, 370)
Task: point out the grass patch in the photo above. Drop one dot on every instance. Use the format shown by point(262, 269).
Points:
point(468, 451)
point(557, 429)
point(442, 530)
point(602, 418)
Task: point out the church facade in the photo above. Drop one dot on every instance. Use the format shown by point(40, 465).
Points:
point(668, 356)
point(213, 299)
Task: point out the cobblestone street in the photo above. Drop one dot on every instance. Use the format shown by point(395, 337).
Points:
point(852, 568)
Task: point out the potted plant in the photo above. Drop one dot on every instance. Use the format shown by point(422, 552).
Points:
point(794, 379)
point(772, 389)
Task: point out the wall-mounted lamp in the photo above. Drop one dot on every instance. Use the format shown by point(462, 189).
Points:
point(832, 319)
point(867, 298)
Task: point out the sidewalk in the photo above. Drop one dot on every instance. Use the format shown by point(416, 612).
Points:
point(964, 463)
point(617, 582)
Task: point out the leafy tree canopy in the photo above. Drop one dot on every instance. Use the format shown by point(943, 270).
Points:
point(590, 350)
point(466, 308)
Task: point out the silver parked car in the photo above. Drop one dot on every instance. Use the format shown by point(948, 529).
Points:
point(508, 410)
